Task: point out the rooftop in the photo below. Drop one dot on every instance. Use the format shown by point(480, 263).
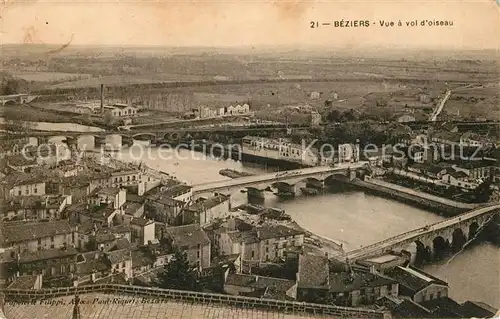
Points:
point(345, 281)
point(119, 256)
point(108, 191)
point(94, 261)
point(188, 235)
point(44, 254)
point(259, 282)
point(313, 272)
point(413, 278)
point(23, 231)
point(18, 178)
point(175, 191)
point(23, 282)
point(141, 222)
point(208, 203)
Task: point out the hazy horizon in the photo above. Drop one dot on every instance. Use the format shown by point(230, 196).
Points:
point(263, 24)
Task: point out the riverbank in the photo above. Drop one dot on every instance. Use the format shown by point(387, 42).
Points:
point(28, 113)
point(328, 245)
point(407, 195)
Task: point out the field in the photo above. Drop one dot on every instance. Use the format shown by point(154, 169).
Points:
point(49, 76)
point(173, 81)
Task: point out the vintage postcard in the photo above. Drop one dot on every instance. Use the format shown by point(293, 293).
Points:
point(250, 159)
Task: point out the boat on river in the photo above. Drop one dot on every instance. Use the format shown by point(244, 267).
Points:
point(231, 173)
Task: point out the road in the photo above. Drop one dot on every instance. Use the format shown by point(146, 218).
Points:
point(273, 177)
point(387, 243)
point(440, 106)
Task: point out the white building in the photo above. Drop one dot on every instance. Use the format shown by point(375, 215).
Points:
point(348, 153)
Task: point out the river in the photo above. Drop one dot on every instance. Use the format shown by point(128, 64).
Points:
point(354, 218)
point(70, 127)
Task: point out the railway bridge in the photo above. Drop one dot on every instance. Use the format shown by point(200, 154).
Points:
point(431, 239)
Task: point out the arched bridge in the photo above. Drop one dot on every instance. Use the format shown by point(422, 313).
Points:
point(290, 178)
point(16, 99)
point(167, 133)
point(431, 237)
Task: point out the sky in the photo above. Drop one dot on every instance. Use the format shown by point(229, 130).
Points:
point(221, 23)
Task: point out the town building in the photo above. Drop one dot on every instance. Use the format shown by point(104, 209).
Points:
point(260, 286)
point(471, 139)
point(121, 262)
point(281, 149)
point(35, 207)
point(112, 197)
point(192, 240)
point(357, 288)
point(260, 244)
point(315, 95)
point(205, 211)
point(142, 230)
point(28, 282)
point(126, 177)
point(163, 209)
point(35, 236)
point(50, 263)
point(460, 179)
point(122, 110)
point(418, 285)
point(315, 119)
point(23, 184)
point(446, 138)
point(348, 153)
point(313, 278)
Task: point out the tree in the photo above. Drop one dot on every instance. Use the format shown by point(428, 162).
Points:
point(484, 191)
point(179, 274)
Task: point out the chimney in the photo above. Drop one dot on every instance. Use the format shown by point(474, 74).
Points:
point(102, 98)
point(256, 278)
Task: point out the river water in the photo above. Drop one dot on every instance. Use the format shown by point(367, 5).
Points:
point(70, 127)
point(354, 218)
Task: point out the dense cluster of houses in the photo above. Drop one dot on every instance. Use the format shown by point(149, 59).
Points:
point(444, 157)
point(71, 222)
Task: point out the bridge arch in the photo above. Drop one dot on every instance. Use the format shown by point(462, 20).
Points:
point(332, 179)
point(458, 239)
point(419, 253)
point(281, 185)
point(439, 247)
point(9, 102)
point(473, 228)
point(144, 137)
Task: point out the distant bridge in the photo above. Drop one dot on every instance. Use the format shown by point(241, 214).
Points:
point(161, 133)
point(16, 99)
point(452, 231)
point(281, 180)
point(118, 138)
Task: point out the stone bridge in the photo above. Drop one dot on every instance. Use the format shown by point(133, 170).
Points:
point(431, 239)
point(284, 182)
point(16, 99)
point(174, 135)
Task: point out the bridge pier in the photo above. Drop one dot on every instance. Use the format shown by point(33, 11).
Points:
point(254, 194)
point(86, 142)
point(286, 190)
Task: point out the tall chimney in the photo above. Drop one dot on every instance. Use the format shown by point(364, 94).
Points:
point(102, 98)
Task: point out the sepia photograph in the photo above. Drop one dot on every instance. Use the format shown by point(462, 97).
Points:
point(283, 159)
